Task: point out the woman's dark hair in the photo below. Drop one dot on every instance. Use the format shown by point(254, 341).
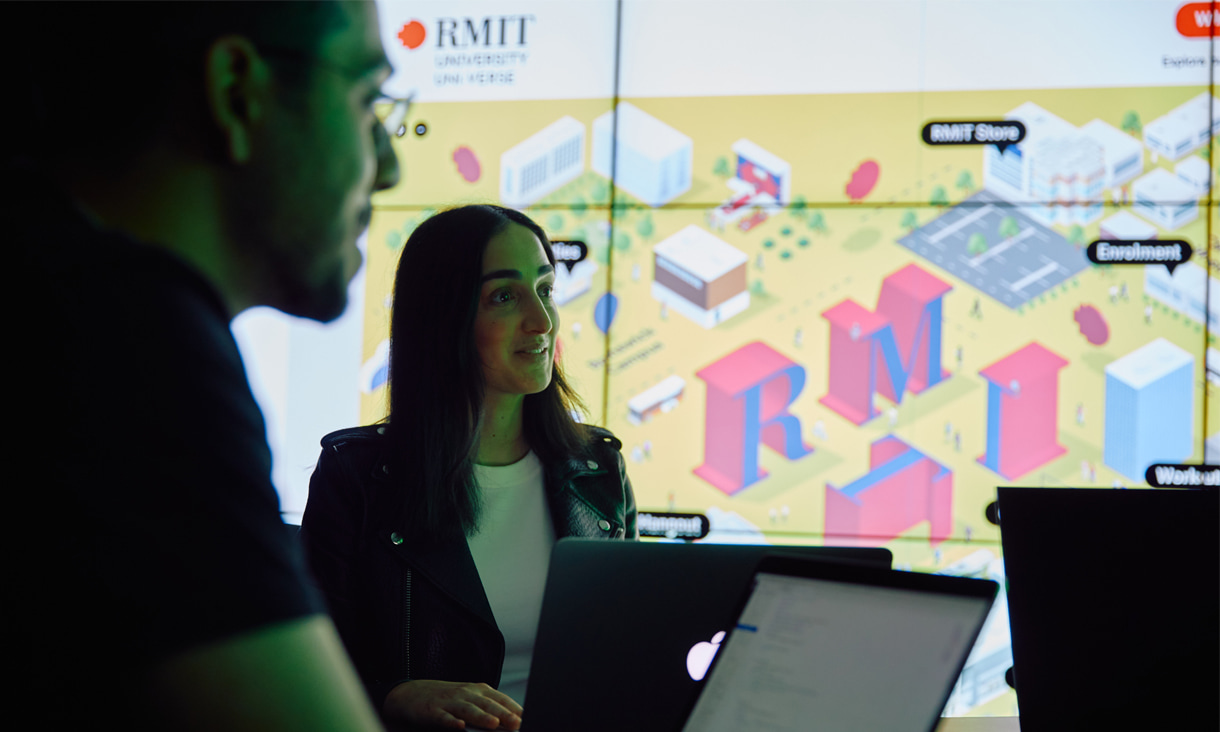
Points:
point(436, 381)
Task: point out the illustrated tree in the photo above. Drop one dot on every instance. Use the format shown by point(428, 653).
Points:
point(1009, 227)
point(939, 197)
point(622, 241)
point(722, 169)
point(1076, 234)
point(965, 181)
point(817, 222)
point(579, 206)
point(645, 228)
point(601, 253)
point(977, 244)
point(601, 190)
point(909, 221)
point(1131, 123)
point(798, 207)
point(554, 223)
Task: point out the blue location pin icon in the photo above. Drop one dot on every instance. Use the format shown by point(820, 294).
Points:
point(604, 311)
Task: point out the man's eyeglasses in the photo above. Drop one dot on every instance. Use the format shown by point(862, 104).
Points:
point(391, 111)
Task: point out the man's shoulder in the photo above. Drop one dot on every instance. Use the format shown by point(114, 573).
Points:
point(131, 336)
point(80, 272)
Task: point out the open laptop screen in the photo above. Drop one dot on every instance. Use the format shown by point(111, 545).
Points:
point(812, 653)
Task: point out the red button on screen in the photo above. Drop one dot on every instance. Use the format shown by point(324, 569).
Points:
point(1197, 19)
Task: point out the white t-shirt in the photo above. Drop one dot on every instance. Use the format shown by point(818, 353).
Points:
point(512, 552)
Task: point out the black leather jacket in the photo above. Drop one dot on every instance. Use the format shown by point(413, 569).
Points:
point(411, 610)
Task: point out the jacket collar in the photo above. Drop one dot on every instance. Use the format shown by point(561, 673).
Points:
point(571, 495)
point(449, 565)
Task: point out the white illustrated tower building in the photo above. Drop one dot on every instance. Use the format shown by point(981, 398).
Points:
point(543, 162)
point(653, 161)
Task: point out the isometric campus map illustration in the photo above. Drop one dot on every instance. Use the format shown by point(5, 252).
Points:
point(811, 326)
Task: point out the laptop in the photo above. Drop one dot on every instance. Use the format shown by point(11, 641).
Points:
point(628, 628)
point(839, 647)
point(1114, 605)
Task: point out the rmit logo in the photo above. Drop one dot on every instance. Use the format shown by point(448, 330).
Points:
point(493, 31)
point(412, 35)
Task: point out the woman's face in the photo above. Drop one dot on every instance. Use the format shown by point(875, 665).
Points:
point(514, 330)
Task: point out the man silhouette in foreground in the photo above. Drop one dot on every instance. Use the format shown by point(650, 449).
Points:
point(178, 163)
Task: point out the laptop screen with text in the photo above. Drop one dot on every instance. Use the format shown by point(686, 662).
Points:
point(839, 656)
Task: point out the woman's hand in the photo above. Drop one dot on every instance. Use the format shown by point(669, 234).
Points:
point(452, 704)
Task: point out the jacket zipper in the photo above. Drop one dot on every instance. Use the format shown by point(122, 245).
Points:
point(406, 623)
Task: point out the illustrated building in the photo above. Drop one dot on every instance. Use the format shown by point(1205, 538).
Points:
point(1185, 128)
point(1123, 154)
point(1186, 291)
point(656, 399)
point(1009, 173)
point(1149, 408)
point(1057, 168)
point(700, 276)
point(542, 163)
point(1067, 177)
point(982, 678)
point(760, 182)
point(1165, 199)
point(1022, 411)
point(1126, 226)
point(1196, 173)
point(902, 488)
point(570, 285)
point(759, 172)
point(652, 160)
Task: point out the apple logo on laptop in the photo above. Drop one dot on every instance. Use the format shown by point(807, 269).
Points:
point(700, 656)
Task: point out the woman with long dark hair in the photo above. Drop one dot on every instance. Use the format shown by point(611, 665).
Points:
point(430, 533)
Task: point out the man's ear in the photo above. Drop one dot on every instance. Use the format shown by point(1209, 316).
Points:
point(237, 81)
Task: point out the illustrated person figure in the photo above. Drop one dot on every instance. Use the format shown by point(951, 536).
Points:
point(178, 164)
point(430, 533)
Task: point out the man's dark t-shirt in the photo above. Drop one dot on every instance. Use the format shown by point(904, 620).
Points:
point(146, 524)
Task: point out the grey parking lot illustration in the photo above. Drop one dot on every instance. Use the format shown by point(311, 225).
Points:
point(1013, 269)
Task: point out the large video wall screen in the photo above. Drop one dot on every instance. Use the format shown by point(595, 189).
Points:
point(833, 292)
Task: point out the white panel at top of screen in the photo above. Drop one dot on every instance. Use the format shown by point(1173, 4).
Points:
point(1047, 44)
point(744, 47)
point(499, 50)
